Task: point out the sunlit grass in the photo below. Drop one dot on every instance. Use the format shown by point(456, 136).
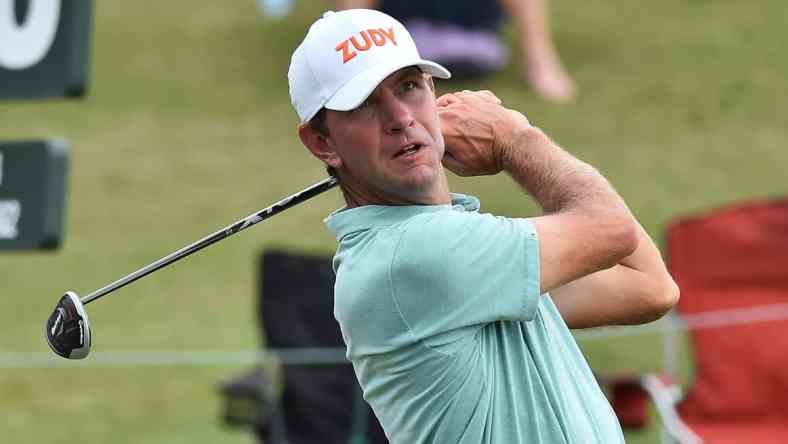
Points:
point(188, 127)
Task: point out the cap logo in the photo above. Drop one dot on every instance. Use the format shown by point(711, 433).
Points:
point(376, 36)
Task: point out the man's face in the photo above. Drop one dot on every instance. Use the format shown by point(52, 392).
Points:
point(389, 149)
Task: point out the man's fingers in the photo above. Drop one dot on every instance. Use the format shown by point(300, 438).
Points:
point(467, 96)
point(453, 164)
point(489, 96)
point(447, 99)
point(485, 95)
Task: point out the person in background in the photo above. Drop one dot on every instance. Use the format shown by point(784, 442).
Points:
point(465, 38)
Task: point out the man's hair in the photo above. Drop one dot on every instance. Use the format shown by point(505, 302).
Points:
point(318, 123)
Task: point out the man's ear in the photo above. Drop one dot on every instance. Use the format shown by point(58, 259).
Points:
point(319, 145)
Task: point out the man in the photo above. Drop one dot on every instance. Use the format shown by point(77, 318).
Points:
point(456, 321)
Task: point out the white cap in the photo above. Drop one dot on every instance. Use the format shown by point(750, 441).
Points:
point(345, 55)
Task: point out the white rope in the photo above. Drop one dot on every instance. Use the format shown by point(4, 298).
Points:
point(323, 356)
point(293, 356)
point(699, 321)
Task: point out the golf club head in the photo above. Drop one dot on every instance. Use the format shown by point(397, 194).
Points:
point(68, 330)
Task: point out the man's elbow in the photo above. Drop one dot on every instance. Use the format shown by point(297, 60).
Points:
point(662, 299)
point(670, 296)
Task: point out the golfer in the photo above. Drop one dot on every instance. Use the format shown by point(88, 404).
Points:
point(457, 321)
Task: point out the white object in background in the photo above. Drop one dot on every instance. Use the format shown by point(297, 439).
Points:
point(10, 212)
point(275, 8)
point(22, 45)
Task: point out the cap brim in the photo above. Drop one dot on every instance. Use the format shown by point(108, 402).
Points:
point(354, 92)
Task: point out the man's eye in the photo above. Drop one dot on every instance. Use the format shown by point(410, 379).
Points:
point(409, 85)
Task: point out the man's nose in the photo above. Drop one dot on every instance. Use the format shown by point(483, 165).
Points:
point(398, 115)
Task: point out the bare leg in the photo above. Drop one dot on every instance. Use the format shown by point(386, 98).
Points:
point(542, 66)
point(355, 4)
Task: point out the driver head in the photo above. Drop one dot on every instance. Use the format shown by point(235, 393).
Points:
point(68, 330)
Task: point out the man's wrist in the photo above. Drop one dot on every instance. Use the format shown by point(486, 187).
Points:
point(526, 141)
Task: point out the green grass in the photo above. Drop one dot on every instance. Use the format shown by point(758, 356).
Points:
point(187, 127)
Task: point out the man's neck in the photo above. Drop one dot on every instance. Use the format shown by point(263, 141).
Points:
point(439, 195)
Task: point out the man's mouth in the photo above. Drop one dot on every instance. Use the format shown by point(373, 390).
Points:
point(409, 150)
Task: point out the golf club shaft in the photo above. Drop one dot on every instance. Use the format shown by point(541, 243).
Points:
point(225, 232)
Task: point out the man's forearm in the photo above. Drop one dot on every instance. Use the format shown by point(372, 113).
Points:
point(581, 207)
point(586, 226)
point(557, 180)
point(631, 288)
point(636, 291)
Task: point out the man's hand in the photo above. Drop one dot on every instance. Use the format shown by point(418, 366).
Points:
point(477, 131)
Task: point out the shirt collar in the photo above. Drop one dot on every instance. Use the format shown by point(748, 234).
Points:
point(345, 220)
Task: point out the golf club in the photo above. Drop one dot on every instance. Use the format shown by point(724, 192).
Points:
point(68, 329)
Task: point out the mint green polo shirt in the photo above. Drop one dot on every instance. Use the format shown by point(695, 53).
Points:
point(451, 342)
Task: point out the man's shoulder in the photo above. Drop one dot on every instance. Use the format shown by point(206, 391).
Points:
point(459, 225)
point(409, 242)
point(432, 234)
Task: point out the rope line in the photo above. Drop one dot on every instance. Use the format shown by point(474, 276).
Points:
point(326, 356)
point(699, 321)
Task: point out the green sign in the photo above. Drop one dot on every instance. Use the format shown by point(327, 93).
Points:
point(44, 48)
point(32, 194)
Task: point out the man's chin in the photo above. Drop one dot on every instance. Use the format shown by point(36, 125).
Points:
point(419, 176)
point(420, 183)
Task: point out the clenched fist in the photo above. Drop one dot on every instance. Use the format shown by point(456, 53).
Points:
point(478, 131)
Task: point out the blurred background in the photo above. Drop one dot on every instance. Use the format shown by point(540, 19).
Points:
point(186, 126)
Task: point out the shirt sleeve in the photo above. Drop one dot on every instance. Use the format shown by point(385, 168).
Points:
point(460, 269)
